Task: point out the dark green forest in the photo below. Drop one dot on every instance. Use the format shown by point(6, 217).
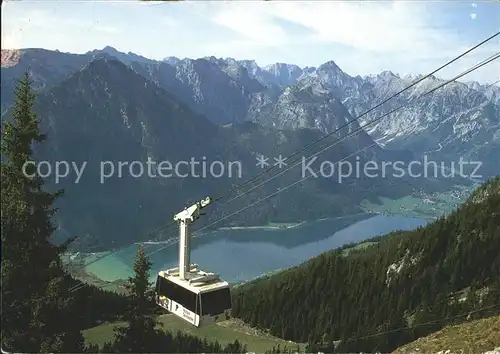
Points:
point(39, 312)
point(380, 297)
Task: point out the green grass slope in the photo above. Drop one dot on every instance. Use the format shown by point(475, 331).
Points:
point(224, 332)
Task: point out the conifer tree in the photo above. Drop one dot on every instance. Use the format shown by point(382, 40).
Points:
point(37, 311)
point(140, 335)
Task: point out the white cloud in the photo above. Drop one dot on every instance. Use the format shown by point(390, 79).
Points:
point(474, 5)
point(376, 27)
point(86, 24)
point(11, 40)
point(35, 18)
point(249, 20)
point(39, 20)
point(20, 24)
point(169, 21)
point(395, 35)
point(473, 16)
point(362, 37)
point(106, 28)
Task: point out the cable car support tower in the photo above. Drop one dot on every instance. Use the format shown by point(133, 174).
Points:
point(186, 217)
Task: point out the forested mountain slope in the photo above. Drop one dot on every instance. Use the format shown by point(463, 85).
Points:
point(378, 298)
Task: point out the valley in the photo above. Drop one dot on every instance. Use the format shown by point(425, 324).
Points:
point(289, 244)
point(421, 205)
point(232, 253)
point(346, 200)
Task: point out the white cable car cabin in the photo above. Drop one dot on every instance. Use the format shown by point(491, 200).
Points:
point(196, 296)
point(198, 302)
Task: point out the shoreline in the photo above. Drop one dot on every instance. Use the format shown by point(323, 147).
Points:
point(264, 227)
point(87, 277)
point(285, 226)
point(88, 273)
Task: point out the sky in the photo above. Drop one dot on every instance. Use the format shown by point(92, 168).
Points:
point(362, 37)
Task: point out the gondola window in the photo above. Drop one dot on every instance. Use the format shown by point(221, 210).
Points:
point(177, 293)
point(215, 302)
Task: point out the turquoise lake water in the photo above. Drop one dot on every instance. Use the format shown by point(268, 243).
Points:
point(244, 254)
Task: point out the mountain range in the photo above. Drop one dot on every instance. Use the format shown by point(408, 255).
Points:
point(283, 95)
point(111, 106)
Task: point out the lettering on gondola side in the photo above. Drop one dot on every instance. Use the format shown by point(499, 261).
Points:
point(187, 315)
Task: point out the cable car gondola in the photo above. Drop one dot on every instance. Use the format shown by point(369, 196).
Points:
point(198, 297)
point(198, 302)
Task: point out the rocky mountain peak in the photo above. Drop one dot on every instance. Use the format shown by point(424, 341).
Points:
point(329, 66)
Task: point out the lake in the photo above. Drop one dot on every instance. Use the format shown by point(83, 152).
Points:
point(244, 254)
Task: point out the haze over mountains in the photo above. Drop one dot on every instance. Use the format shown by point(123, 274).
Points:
point(110, 106)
